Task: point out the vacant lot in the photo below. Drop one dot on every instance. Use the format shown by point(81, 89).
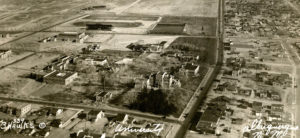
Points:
point(119, 42)
point(204, 8)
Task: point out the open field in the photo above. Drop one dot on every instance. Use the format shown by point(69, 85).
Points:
point(119, 42)
point(32, 15)
point(204, 8)
point(193, 25)
point(38, 60)
point(120, 24)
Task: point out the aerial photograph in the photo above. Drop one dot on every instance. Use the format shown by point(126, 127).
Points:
point(149, 68)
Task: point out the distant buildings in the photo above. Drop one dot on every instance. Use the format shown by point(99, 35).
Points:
point(72, 37)
point(57, 77)
point(211, 116)
point(5, 53)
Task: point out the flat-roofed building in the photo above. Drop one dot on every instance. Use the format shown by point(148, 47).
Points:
point(18, 109)
point(63, 78)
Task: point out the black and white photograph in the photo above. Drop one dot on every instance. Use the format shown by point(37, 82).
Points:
point(149, 68)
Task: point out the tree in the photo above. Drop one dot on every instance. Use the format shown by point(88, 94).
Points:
point(154, 101)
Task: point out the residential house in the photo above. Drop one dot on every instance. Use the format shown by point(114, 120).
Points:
point(190, 69)
point(95, 115)
point(103, 96)
point(257, 108)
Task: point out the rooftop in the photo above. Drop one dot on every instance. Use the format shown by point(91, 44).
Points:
point(61, 75)
point(17, 105)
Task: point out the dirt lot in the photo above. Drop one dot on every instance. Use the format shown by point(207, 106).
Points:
point(193, 25)
point(119, 42)
point(34, 14)
point(204, 8)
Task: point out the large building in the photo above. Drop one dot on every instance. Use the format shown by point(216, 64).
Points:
point(17, 109)
point(57, 77)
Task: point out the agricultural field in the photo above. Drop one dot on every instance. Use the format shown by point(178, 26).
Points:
point(203, 8)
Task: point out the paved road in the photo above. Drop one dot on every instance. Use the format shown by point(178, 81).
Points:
point(101, 107)
point(208, 81)
point(296, 72)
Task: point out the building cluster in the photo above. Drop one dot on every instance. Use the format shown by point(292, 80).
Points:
point(57, 72)
point(140, 47)
point(210, 119)
point(282, 80)
point(161, 80)
point(114, 120)
point(268, 94)
point(74, 37)
point(248, 17)
point(90, 48)
point(268, 114)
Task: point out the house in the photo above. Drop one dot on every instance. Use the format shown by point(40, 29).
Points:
point(274, 117)
point(57, 77)
point(257, 108)
point(189, 69)
point(95, 115)
point(5, 53)
point(275, 96)
point(277, 107)
point(237, 121)
point(54, 111)
point(72, 37)
point(245, 92)
point(103, 96)
point(18, 109)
